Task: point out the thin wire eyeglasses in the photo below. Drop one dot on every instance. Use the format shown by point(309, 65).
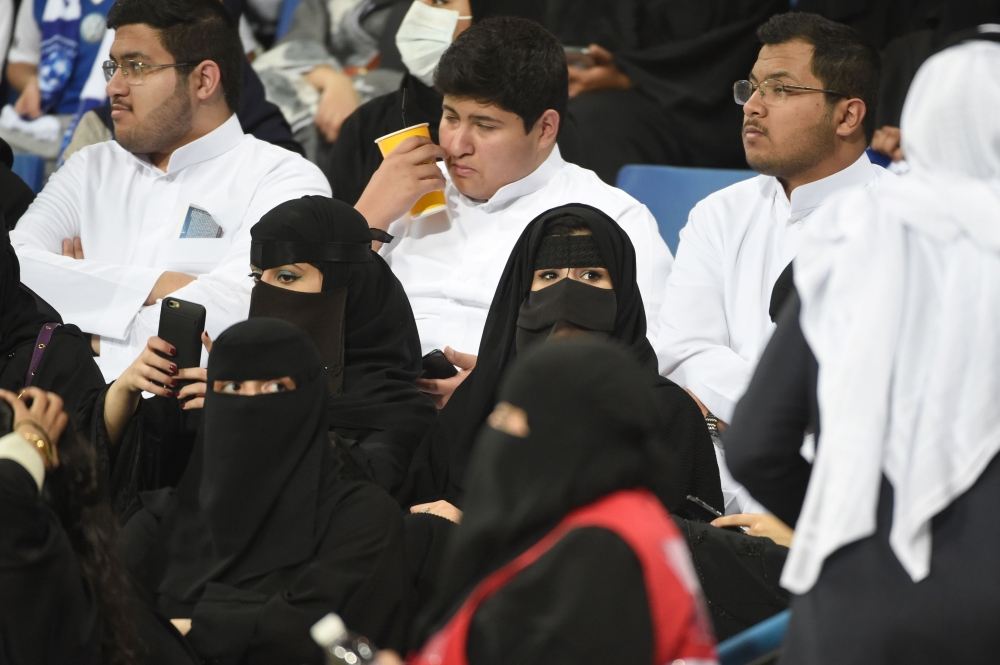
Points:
point(772, 92)
point(134, 72)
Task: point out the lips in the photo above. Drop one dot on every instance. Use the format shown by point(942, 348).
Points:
point(462, 170)
point(752, 132)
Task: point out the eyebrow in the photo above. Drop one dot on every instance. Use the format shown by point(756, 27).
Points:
point(475, 116)
point(131, 55)
point(780, 74)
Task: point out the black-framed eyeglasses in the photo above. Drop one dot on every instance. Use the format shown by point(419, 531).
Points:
point(771, 92)
point(134, 72)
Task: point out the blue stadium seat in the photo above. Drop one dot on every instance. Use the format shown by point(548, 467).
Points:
point(671, 191)
point(755, 642)
point(31, 168)
point(285, 20)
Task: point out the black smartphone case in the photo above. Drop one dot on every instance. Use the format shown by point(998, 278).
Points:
point(436, 366)
point(181, 325)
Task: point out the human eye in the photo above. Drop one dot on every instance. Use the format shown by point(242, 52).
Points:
point(256, 275)
point(272, 387)
point(486, 128)
point(549, 275)
point(230, 387)
point(592, 275)
point(287, 277)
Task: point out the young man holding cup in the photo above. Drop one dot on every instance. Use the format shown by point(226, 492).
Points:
point(505, 90)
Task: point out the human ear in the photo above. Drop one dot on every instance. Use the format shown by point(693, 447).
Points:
point(548, 125)
point(207, 80)
point(850, 116)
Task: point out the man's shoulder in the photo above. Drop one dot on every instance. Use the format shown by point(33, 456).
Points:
point(273, 160)
point(584, 186)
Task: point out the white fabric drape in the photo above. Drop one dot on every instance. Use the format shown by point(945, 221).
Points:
point(900, 291)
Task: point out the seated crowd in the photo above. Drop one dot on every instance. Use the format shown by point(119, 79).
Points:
point(510, 427)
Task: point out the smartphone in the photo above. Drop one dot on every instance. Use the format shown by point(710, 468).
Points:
point(436, 366)
point(706, 513)
point(579, 57)
point(181, 325)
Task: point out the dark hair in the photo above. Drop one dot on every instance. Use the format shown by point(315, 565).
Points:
point(75, 495)
point(843, 58)
point(568, 225)
point(191, 31)
point(511, 62)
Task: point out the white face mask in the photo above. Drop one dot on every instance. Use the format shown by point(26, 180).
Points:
point(424, 36)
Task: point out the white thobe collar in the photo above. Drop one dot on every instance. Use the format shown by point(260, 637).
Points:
point(808, 197)
point(220, 140)
point(529, 184)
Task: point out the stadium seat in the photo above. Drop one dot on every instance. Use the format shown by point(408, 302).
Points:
point(285, 20)
point(756, 642)
point(671, 191)
point(31, 168)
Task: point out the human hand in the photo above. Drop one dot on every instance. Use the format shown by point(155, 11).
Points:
point(404, 176)
point(195, 391)
point(150, 367)
point(167, 283)
point(764, 525)
point(44, 418)
point(439, 508)
point(604, 75)
point(72, 248)
point(338, 99)
point(441, 390)
point(388, 657)
point(887, 141)
point(29, 104)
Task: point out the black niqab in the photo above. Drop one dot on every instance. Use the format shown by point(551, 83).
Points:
point(591, 414)
point(250, 501)
point(439, 467)
point(381, 347)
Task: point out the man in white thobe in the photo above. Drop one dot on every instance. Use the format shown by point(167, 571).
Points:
point(806, 135)
point(501, 169)
point(166, 208)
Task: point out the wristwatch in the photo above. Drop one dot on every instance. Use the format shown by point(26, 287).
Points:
point(713, 424)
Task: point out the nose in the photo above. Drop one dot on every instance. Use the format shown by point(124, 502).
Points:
point(117, 85)
point(457, 141)
point(755, 107)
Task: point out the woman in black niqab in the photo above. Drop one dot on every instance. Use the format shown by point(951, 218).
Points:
point(439, 466)
point(588, 429)
point(362, 323)
point(263, 536)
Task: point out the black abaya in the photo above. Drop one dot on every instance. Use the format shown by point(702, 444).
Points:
point(262, 536)
point(49, 613)
point(439, 465)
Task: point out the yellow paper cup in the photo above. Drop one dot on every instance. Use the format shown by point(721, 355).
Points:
point(428, 204)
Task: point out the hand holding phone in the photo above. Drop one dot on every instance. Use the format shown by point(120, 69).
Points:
point(436, 366)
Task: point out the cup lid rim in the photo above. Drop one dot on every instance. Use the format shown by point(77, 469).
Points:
point(406, 129)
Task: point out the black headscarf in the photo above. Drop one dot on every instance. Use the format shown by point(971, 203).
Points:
point(381, 348)
point(439, 466)
point(255, 496)
point(591, 412)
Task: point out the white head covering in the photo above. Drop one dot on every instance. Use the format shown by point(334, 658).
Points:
point(900, 291)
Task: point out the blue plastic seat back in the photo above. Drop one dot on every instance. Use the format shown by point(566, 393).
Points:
point(285, 19)
point(755, 642)
point(31, 168)
point(671, 191)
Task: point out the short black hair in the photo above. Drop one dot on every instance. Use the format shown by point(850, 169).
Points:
point(511, 62)
point(191, 31)
point(843, 59)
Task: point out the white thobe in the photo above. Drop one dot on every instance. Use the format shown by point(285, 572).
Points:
point(128, 215)
point(450, 263)
point(714, 321)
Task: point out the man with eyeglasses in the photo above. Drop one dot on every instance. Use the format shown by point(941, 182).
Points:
point(167, 207)
point(809, 110)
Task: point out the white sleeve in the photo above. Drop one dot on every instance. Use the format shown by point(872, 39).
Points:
point(693, 339)
point(225, 291)
point(100, 298)
point(14, 447)
point(26, 46)
point(6, 28)
point(653, 262)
